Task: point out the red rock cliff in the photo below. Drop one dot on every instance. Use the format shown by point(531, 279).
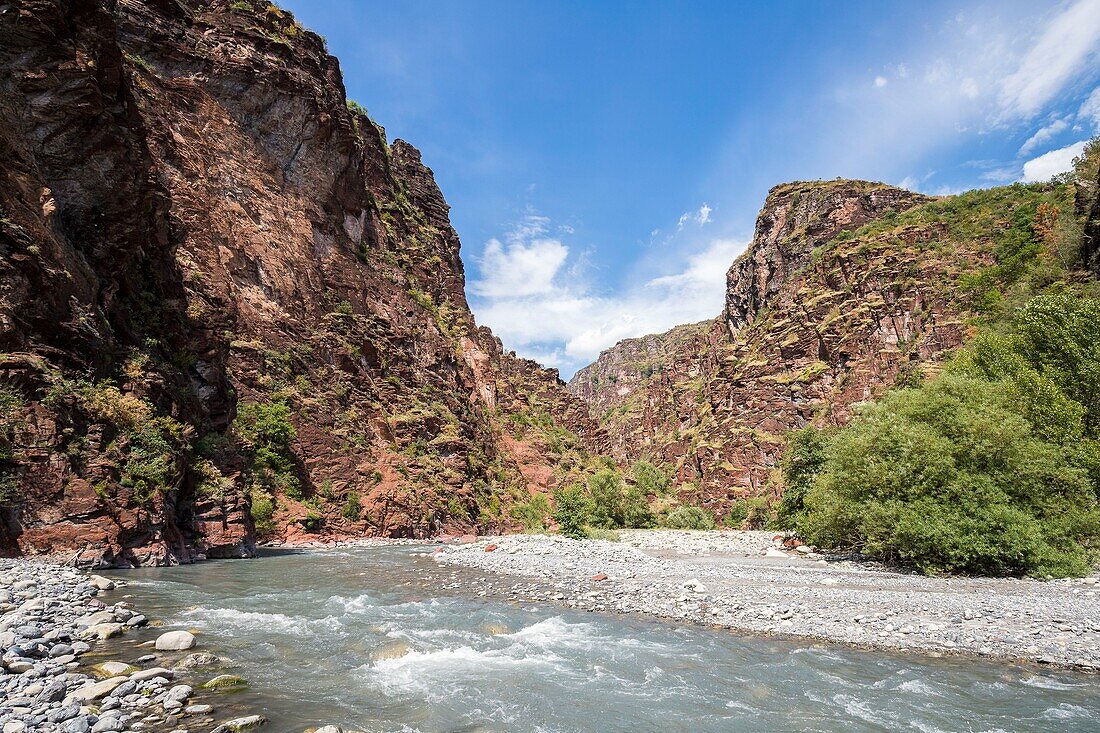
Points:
point(193, 219)
point(836, 300)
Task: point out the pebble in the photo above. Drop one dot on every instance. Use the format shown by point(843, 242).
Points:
point(51, 616)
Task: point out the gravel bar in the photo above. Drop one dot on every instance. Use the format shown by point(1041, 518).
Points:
point(750, 582)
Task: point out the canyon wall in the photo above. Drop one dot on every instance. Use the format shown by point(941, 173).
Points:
point(224, 294)
point(848, 289)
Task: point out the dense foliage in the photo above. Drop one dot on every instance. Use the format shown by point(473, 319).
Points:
point(267, 435)
point(689, 517)
point(992, 468)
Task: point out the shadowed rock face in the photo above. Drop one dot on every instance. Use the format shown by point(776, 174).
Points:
point(815, 321)
point(191, 219)
point(1087, 202)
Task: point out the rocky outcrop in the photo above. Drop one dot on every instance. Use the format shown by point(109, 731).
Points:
point(1087, 204)
point(193, 219)
point(847, 289)
point(796, 218)
point(644, 385)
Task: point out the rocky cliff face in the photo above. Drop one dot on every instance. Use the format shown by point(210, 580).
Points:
point(198, 232)
point(795, 219)
point(847, 289)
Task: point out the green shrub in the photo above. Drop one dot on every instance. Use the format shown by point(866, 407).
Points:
point(265, 423)
point(268, 436)
point(993, 468)
point(263, 513)
point(572, 510)
point(210, 482)
point(352, 507)
point(951, 478)
point(636, 511)
point(689, 517)
point(606, 492)
point(11, 403)
point(651, 480)
point(153, 464)
point(356, 109)
point(533, 513)
point(312, 521)
point(1054, 342)
point(802, 461)
point(752, 513)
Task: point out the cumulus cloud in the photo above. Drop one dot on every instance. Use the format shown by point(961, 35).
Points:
point(1066, 45)
point(565, 322)
point(1052, 163)
point(526, 263)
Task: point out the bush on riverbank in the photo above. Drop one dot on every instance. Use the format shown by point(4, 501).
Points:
point(604, 504)
point(689, 517)
point(993, 468)
point(572, 509)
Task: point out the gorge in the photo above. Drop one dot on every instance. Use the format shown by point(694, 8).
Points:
point(234, 325)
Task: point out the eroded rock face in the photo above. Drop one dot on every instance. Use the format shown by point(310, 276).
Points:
point(813, 324)
point(795, 219)
point(1087, 202)
point(193, 219)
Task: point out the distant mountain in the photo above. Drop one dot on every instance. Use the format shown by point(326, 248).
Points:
point(848, 289)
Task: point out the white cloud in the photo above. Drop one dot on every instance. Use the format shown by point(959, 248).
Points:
point(1064, 47)
point(526, 264)
point(1052, 163)
point(880, 82)
point(1002, 175)
point(565, 323)
point(987, 74)
point(1043, 135)
point(701, 216)
point(1090, 109)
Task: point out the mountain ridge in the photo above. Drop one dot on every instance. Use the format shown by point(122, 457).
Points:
point(848, 289)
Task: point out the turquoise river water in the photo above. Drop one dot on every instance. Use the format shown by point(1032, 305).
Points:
point(370, 639)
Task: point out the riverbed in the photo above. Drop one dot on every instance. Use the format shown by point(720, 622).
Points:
point(388, 639)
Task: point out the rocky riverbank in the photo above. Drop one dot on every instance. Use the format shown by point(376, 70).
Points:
point(62, 661)
point(751, 582)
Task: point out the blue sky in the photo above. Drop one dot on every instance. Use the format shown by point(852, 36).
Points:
point(605, 161)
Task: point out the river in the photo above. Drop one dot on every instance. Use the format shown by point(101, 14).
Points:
point(383, 639)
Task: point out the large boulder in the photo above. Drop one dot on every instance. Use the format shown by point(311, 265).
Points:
point(175, 641)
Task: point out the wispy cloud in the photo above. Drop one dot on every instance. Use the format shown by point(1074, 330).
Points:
point(700, 216)
point(1089, 113)
point(989, 73)
point(1043, 135)
point(1065, 46)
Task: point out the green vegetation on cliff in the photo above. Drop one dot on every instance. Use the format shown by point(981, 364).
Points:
point(992, 467)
